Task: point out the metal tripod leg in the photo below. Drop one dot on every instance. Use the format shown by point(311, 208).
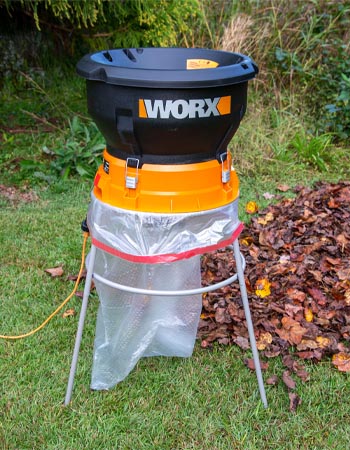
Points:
point(244, 296)
point(84, 305)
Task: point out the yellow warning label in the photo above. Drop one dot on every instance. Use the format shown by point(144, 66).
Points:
point(200, 64)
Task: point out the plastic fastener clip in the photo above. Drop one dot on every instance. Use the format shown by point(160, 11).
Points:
point(131, 180)
point(225, 171)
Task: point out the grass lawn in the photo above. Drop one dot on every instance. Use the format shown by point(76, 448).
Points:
point(209, 401)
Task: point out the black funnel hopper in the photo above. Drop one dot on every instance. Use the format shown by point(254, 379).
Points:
point(167, 105)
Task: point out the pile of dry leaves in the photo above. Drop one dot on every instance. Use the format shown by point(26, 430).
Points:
point(297, 273)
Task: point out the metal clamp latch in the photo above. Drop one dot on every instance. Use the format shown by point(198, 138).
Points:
point(131, 180)
point(225, 171)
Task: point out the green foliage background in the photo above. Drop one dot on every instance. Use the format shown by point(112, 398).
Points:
point(299, 105)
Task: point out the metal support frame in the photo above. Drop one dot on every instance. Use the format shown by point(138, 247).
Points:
point(240, 266)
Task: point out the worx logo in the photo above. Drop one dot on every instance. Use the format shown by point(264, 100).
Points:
point(183, 109)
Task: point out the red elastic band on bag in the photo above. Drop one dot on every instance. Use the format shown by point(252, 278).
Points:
point(168, 257)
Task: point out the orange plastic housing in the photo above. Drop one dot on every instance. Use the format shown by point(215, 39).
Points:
point(166, 188)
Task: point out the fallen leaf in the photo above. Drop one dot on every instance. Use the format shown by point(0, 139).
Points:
point(284, 259)
point(268, 196)
point(264, 220)
point(206, 344)
point(262, 288)
point(272, 380)
point(75, 277)
point(296, 294)
point(332, 203)
point(288, 361)
point(308, 314)
point(242, 342)
point(347, 297)
point(272, 353)
point(69, 313)
point(205, 316)
point(251, 207)
point(283, 187)
point(307, 344)
point(323, 342)
point(224, 341)
point(344, 274)
point(55, 271)
point(311, 354)
point(302, 373)
point(291, 330)
point(264, 340)
point(222, 316)
point(249, 362)
point(288, 380)
point(294, 401)
point(247, 241)
point(342, 361)
point(318, 295)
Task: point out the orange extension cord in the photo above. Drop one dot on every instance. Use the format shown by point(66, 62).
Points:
point(30, 333)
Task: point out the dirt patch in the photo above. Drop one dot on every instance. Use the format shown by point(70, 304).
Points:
point(16, 195)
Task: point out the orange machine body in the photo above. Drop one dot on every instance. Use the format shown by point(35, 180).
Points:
point(165, 188)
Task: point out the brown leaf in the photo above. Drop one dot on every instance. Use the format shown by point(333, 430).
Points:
point(242, 342)
point(347, 297)
point(249, 362)
point(307, 344)
point(318, 295)
point(341, 361)
point(342, 239)
point(206, 344)
point(288, 380)
point(344, 274)
point(221, 316)
point(75, 277)
point(272, 380)
point(288, 361)
point(264, 220)
point(55, 271)
point(264, 340)
point(302, 373)
point(292, 331)
point(314, 354)
point(283, 187)
point(224, 341)
point(332, 203)
point(294, 401)
point(69, 313)
point(296, 294)
point(272, 353)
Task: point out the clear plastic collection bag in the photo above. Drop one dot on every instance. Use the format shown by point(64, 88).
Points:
point(156, 252)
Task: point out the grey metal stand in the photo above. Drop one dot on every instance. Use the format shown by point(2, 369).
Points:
point(240, 265)
point(79, 335)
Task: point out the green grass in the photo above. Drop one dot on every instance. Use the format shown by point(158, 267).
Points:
point(209, 401)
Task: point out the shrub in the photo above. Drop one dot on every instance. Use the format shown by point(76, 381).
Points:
point(90, 24)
